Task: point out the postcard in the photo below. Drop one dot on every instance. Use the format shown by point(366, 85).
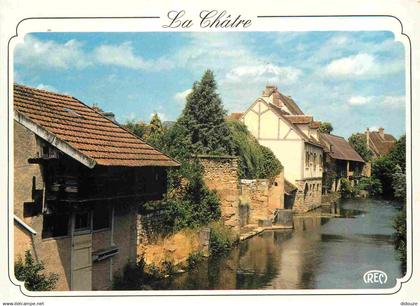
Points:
point(201, 153)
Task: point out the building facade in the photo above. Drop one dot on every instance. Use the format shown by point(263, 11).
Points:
point(340, 161)
point(279, 124)
point(78, 181)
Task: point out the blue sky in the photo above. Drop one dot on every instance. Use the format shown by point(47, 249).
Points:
point(352, 79)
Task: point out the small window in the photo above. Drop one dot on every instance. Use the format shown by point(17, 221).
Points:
point(101, 217)
point(82, 221)
point(55, 225)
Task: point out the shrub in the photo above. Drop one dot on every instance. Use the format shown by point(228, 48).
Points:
point(194, 258)
point(400, 237)
point(369, 184)
point(255, 160)
point(346, 189)
point(221, 238)
point(30, 272)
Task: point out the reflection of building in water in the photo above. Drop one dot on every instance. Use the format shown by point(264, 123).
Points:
point(299, 256)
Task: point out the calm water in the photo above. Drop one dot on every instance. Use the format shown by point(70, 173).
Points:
point(319, 253)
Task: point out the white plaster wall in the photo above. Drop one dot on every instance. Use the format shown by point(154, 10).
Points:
point(309, 171)
point(269, 125)
point(290, 155)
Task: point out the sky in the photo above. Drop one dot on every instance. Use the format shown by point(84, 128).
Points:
point(354, 80)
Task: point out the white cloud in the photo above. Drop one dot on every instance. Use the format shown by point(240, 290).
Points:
point(120, 55)
point(356, 65)
point(359, 100)
point(50, 54)
point(47, 87)
point(394, 101)
point(263, 73)
point(182, 95)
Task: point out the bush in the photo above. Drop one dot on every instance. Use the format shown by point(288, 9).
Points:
point(221, 238)
point(255, 160)
point(346, 189)
point(369, 184)
point(400, 237)
point(194, 258)
point(30, 272)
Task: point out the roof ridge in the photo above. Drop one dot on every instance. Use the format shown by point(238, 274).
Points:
point(43, 90)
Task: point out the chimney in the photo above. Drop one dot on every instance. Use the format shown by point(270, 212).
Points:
point(269, 89)
point(381, 132)
point(367, 137)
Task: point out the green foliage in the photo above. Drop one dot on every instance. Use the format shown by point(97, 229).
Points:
point(31, 272)
point(186, 205)
point(400, 236)
point(194, 258)
point(137, 128)
point(346, 189)
point(383, 169)
point(155, 135)
point(221, 239)
point(255, 160)
point(202, 123)
point(369, 184)
point(397, 153)
point(399, 184)
point(358, 142)
point(140, 277)
point(325, 127)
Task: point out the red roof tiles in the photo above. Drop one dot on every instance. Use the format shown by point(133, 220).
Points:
point(381, 146)
point(340, 148)
point(86, 130)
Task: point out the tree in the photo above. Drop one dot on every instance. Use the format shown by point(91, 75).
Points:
point(30, 272)
point(397, 153)
point(137, 128)
point(325, 127)
point(155, 132)
point(358, 142)
point(383, 169)
point(202, 122)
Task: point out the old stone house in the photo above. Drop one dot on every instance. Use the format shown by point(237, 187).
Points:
point(78, 180)
point(340, 161)
point(279, 124)
point(378, 142)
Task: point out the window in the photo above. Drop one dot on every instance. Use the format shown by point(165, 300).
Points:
point(101, 217)
point(55, 225)
point(314, 164)
point(82, 221)
point(307, 159)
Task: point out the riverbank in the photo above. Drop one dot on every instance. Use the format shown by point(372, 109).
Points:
point(319, 253)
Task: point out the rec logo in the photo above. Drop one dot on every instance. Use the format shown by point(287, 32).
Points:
point(375, 277)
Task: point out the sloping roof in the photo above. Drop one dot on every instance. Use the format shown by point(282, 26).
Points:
point(289, 187)
point(380, 145)
point(235, 116)
point(84, 130)
point(280, 113)
point(340, 148)
point(291, 104)
point(299, 119)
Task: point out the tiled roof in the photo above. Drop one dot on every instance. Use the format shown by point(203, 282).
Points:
point(339, 148)
point(291, 104)
point(235, 116)
point(299, 119)
point(380, 145)
point(86, 130)
point(315, 124)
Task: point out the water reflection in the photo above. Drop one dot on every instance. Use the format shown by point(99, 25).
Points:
point(319, 253)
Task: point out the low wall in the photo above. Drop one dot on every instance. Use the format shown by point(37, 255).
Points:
point(308, 195)
point(262, 197)
point(176, 248)
point(221, 174)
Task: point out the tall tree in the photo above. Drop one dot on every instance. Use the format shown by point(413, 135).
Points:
point(202, 122)
point(325, 127)
point(358, 142)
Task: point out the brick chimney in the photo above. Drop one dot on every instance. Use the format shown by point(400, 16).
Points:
point(381, 132)
point(367, 137)
point(269, 89)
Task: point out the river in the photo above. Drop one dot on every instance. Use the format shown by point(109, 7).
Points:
point(319, 253)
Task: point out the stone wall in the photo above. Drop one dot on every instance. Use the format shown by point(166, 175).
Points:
point(221, 174)
point(308, 195)
point(174, 248)
point(263, 197)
